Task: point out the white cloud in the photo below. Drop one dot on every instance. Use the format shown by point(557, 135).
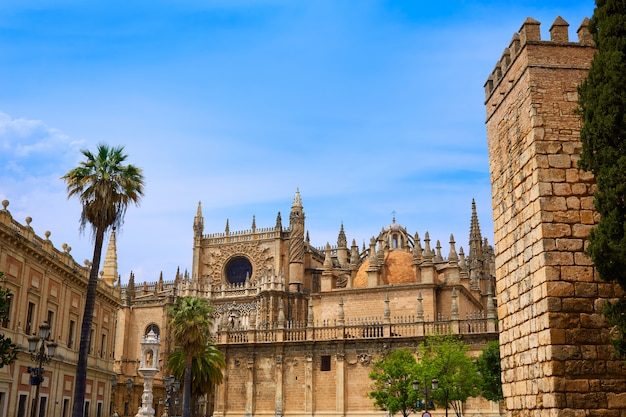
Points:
point(31, 148)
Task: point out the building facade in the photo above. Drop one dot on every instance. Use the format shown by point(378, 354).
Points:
point(556, 355)
point(47, 285)
point(300, 326)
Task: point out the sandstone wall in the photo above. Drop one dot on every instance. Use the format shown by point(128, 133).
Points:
point(554, 340)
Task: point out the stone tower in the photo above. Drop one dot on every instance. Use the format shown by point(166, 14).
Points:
point(556, 358)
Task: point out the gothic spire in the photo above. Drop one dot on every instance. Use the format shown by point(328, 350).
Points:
point(342, 241)
point(297, 201)
point(475, 238)
point(198, 221)
point(109, 268)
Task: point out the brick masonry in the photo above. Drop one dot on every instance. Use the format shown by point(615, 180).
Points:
point(556, 357)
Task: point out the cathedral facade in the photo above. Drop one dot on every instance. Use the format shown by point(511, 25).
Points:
point(300, 326)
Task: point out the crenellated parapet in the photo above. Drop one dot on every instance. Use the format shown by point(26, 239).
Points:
point(527, 47)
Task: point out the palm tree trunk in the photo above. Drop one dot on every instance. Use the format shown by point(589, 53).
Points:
point(80, 382)
point(187, 387)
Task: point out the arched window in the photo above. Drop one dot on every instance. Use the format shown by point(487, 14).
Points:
point(154, 328)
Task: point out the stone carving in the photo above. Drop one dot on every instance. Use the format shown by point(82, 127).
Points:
point(364, 358)
point(234, 310)
point(260, 257)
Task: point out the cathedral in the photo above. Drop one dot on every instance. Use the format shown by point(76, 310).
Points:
point(299, 326)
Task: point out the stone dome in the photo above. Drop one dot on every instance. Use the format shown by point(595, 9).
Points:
point(398, 269)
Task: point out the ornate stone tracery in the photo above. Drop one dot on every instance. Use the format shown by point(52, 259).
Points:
point(259, 255)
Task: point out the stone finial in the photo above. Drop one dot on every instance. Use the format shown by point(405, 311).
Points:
point(417, 248)
point(462, 258)
point(438, 256)
point(227, 228)
point(372, 255)
point(530, 31)
point(558, 30)
point(428, 253)
point(47, 234)
point(253, 223)
point(279, 222)
point(453, 258)
point(354, 253)
point(5, 204)
point(328, 263)
point(584, 36)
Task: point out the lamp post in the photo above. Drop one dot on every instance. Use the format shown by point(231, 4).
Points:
point(434, 384)
point(40, 354)
point(171, 387)
point(129, 389)
point(113, 409)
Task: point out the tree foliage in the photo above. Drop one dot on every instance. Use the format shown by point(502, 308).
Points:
point(393, 376)
point(105, 188)
point(8, 349)
point(490, 369)
point(445, 358)
point(190, 324)
point(602, 106)
point(206, 368)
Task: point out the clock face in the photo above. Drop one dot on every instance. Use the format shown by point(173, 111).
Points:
point(238, 269)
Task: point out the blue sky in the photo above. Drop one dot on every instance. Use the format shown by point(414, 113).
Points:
point(370, 108)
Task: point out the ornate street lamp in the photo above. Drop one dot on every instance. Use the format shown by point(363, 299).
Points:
point(434, 385)
point(129, 389)
point(40, 354)
point(171, 388)
point(113, 409)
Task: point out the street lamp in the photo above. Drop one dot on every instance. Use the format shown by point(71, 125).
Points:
point(40, 355)
point(434, 384)
point(113, 408)
point(171, 387)
point(129, 388)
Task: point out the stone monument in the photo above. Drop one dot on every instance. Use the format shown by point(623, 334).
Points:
point(148, 367)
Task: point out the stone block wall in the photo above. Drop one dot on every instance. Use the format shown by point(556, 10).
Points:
point(556, 357)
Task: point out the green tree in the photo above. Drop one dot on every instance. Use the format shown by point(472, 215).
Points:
point(105, 188)
point(190, 323)
point(445, 358)
point(8, 349)
point(602, 106)
point(393, 376)
point(490, 369)
point(206, 368)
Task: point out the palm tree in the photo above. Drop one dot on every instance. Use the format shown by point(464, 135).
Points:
point(190, 325)
point(105, 189)
point(206, 368)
